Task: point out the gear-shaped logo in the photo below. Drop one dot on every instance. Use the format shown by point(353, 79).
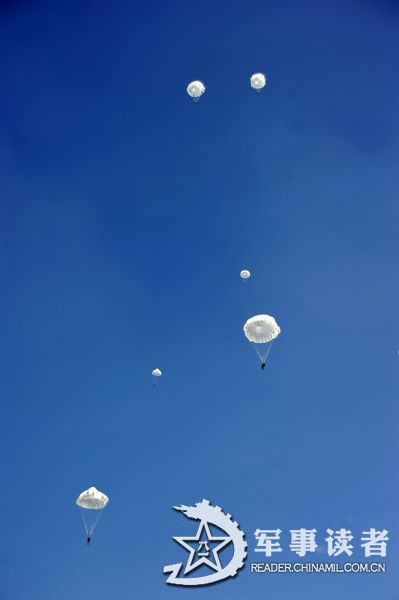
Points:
point(204, 547)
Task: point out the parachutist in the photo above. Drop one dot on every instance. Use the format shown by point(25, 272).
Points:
point(262, 330)
point(195, 89)
point(258, 82)
point(91, 502)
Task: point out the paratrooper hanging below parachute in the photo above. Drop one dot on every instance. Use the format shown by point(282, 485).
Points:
point(261, 331)
point(155, 374)
point(195, 89)
point(258, 82)
point(91, 503)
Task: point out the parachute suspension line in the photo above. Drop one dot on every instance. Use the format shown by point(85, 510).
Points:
point(90, 520)
point(264, 353)
point(81, 510)
point(95, 521)
point(268, 350)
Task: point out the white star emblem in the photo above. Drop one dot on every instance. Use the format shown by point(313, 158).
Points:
point(201, 548)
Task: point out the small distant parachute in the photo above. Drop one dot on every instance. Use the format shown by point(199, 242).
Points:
point(261, 331)
point(91, 503)
point(258, 82)
point(245, 274)
point(195, 89)
point(156, 373)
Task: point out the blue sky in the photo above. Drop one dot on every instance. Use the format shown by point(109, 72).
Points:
point(126, 215)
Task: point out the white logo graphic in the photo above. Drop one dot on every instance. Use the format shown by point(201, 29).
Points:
point(204, 547)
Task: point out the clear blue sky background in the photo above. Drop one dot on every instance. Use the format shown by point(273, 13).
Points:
point(126, 214)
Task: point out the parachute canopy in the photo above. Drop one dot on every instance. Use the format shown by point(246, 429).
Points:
point(244, 274)
point(258, 81)
point(195, 89)
point(157, 373)
point(92, 499)
point(261, 329)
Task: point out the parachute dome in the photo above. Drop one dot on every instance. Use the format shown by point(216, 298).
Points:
point(261, 329)
point(195, 89)
point(258, 81)
point(157, 373)
point(92, 499)
point(244, 274)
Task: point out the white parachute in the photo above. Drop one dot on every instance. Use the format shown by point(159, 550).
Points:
point(195, 89)
point(155, 374)
point(261, 331)
point(245, 274)
point(91, 503)
point(258, 82)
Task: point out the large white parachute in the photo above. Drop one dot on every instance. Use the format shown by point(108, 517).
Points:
point(195, 89)
point(245, 274)
point(261, 331)
point(258, 82)
point(91, 503)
